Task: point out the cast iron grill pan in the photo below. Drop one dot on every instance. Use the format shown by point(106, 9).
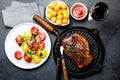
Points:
point(96, 48)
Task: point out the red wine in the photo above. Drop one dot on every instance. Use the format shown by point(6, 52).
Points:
point(100, 11)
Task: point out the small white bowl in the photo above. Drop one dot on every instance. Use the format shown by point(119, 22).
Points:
point(73, 7)
point(53, 22)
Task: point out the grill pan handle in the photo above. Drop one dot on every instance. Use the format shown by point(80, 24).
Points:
point(44, 24)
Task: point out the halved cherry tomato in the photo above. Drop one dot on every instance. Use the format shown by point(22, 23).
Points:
point(34, 30)
point(36, 46)
point(18, 39)
point(18, 55)
point(27, 59)
point(31, 42)
point(41, 36)
point(42, 44)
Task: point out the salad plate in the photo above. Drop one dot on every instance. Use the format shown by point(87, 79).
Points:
point(11, 46)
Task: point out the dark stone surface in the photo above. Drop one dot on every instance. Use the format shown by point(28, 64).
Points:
point(109, 30)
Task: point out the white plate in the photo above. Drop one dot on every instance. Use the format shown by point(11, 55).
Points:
point(11, 46)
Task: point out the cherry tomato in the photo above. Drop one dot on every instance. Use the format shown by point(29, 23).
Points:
point(18, 55)
point(18, 39)
point(41, 36)
point(36, 51)
point(34, 30)
point(31, 42)
point(42, 44)
point(36, 45)
point(27, 59)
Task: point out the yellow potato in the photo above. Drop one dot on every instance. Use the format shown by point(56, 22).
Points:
point(44, 53)
point(59, 4)
point(36, 58)
point(56, 8)
point(59, 16)
point(50, 10)
point(54, 13)
point(64, 11)
point(52, 5)
point(53, 19)
point(27, 34)
point(49, 16)
point(58, 22)
point(65, 21)
point(64, 6)
point(59, 12)
point(25, 47)
point(65, 15)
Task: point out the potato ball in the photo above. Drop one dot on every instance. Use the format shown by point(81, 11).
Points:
point(56, 8)
point(65, 21)
point(49, 16)
point(52, 5)
point(64, 11)
point(59, 22)
point(64, 6)
point(50, 10)
point(59, 4)
point(59, 12)
point(54, 13)
point(65, 15)
point(59, 17)
point(53, 19)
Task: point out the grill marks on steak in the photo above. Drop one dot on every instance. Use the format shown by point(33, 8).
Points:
point(77, 48)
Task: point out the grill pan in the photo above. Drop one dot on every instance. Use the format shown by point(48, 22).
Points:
point(96, 48)
point(95, 45)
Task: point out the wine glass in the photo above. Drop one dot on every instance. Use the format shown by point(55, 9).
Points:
point(99, 11)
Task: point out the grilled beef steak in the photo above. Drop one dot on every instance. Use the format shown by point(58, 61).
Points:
point(77, 48)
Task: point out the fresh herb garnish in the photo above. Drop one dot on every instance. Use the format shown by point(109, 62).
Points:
point(41, 48)
point(81, 56)
point(40, 54)
point(71, 50)
point(28, 54)
point(19, 44)
point(22, 38)
point(32, 37)
point(33, 48)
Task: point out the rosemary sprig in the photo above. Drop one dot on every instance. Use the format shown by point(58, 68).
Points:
point(71, 50)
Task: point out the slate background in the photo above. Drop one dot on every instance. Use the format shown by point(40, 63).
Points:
point(109, 30)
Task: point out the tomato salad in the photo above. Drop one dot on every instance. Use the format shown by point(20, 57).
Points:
point(32, 44)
